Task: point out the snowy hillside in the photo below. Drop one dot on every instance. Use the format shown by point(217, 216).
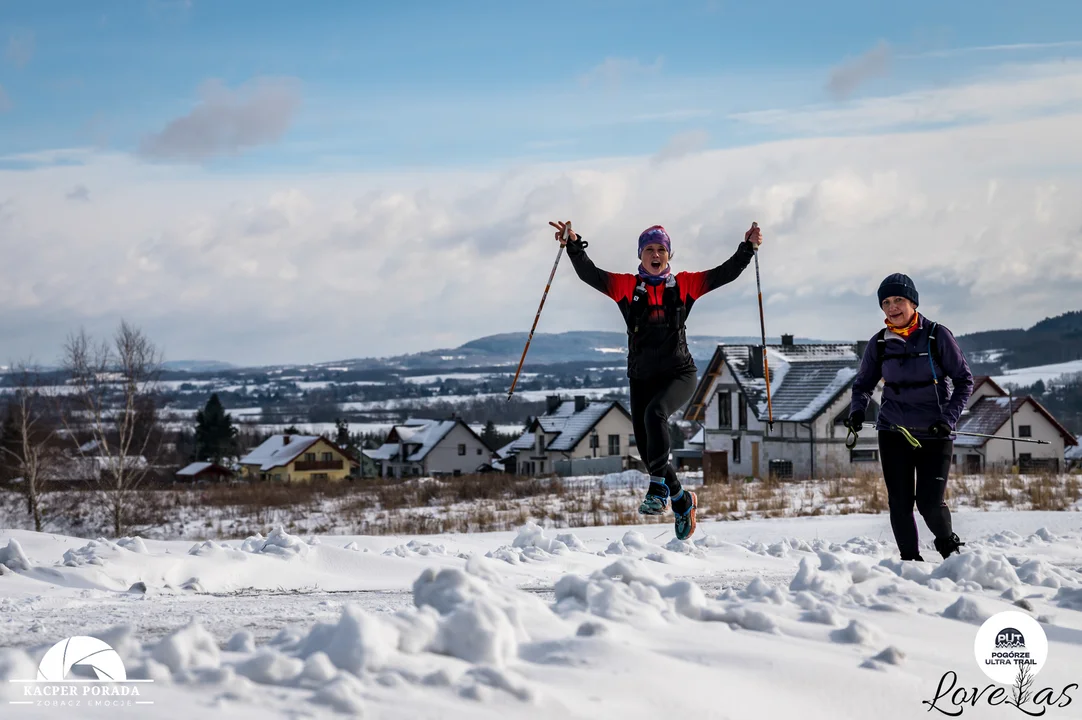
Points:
point(809, 618)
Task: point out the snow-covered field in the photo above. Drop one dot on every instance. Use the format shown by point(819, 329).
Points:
point(805, 617)
point(1058, 373)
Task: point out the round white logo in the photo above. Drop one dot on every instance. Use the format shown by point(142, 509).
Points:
point(85, 652)
point(1011, 646)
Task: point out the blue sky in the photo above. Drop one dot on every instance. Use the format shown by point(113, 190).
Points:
point(475, 82)
point(391, 167)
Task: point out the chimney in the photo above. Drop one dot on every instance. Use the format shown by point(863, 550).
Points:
point(580, 403)
point(787, 341)
point(285, 440)
point(552, 402)
point(755, 361)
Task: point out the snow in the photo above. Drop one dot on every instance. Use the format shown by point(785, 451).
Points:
point(804, 617)
point(1057, 373)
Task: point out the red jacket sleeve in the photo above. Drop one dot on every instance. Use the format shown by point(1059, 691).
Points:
point(618, 286)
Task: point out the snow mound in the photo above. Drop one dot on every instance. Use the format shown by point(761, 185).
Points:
point(211, 549)
point(991, 572)
point(532, 535)
point(1039, 572)
point(93, 553)
point(967, 609)
point(15, 665)
point(13, 557)
point(414, 548)
point(344, 693)
point(270, 667)
point(241, 642)
point(856, 633)
point(632, 542)
point(1070, 599)
point(279, 542)
point(834, 576)
point(351, 546)
point(134, 544)
point(189, 648)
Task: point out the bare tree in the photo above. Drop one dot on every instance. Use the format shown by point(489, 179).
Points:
point(29, 438)
point(112, 383)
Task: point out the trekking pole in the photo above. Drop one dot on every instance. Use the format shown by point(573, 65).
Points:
point(537, 317)
point(916, 443)
point(762, 327)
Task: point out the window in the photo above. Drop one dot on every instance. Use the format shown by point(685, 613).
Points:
point(1025, 431)
point(863, 456)
point(631, 442)
point(539, 444)
point(277, 477)
point(742, 412)
point(328, 457)
point(725, 409)
point(614, 444)
point(479, 452)
point(736, 450)
point(320, 476)
point(309, 457)
point(456, 473)
point(541, 466)
point(595, 442)
point(1024, 457)
point(462, 448)
point(781, 469)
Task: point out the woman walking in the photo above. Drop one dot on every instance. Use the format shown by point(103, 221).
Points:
point(914, 356)
point(655, 303)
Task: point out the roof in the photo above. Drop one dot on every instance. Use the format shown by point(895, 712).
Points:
point(197, 467)
point(276, 452)
point(569, 426)
point(979, 380)
point(804, 379)
point(989, 414)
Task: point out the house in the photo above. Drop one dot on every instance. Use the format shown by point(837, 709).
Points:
point(297, 458)
point(810, 391)
point(1072, 456)
point(576, 436)
point(204, 472)
point(991, 410)
point(431, 447)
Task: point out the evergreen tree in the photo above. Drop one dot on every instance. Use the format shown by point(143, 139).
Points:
point(490, 437)
point(341, 435)
point(215, 436)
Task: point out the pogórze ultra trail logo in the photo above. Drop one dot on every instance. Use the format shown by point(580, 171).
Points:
point(80, 672)
point(1010, 648)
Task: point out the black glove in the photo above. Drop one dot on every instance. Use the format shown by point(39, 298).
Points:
point(940, 429)
point(855, 421)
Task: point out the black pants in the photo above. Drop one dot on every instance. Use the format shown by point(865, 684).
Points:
point(652, 402)
point(931, 462)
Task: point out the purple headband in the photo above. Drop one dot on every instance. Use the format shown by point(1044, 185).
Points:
point(654, 234)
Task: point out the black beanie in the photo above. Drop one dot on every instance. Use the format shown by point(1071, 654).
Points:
point(898, 285)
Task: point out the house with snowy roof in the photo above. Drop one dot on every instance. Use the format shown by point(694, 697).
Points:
point(297, 458)
point(433, 448)
point(574, 437)
point(201, 472)
point(810, 388)
point(991, 410)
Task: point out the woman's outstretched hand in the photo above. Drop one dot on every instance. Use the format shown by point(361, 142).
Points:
point(754, 235)
point(563, 232)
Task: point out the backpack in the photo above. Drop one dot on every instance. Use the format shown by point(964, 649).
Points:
point(932, 354)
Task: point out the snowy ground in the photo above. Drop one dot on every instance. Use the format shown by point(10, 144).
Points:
point(803, 617)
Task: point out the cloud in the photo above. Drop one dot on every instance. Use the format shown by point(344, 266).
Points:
point(5, 101)
point(403, 261)
point(682, 144)
point(227, 122)
point(1013, 47)
point(20, 47)
point(613, 72)
point(847, 77)
point(1012, 93)
point(80, 193)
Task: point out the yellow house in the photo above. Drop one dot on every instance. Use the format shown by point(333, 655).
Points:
point(296, 458)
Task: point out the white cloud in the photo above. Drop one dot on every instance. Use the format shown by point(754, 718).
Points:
point(682, 144)
point(851, 74)
point(227, 122)
point(79, 192)
point(302, 267)
point(1016, 92)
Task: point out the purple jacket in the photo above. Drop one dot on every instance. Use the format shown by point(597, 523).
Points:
point(909, 397)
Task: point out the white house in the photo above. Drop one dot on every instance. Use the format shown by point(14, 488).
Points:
point(990, 411)
point(575, 437)
point(431, 447)
point(810, 390)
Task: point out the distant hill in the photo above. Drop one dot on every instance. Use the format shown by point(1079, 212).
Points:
point(197, 366)
point(1052, 340)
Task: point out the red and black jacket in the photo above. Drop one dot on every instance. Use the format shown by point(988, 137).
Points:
point(655, 314)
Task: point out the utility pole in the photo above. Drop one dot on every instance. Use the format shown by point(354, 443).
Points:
point(1010, 409)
